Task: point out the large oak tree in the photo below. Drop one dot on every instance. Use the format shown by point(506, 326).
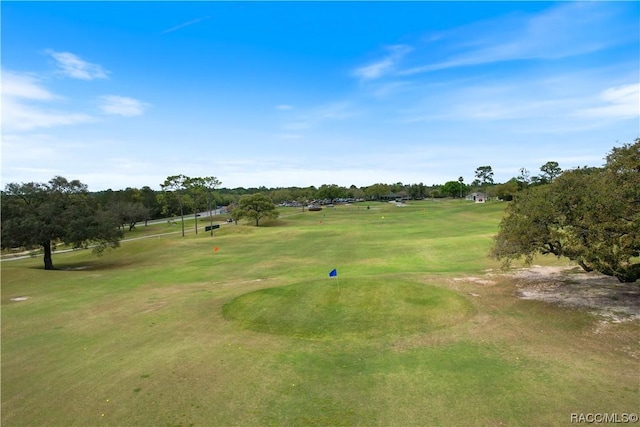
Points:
point(589, 215)
point(256, 207)
point(60, 211)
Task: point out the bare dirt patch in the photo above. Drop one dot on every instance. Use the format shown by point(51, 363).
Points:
point(477, 280)
point(570, 286)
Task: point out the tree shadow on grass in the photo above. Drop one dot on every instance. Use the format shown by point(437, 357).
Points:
point(90, 265)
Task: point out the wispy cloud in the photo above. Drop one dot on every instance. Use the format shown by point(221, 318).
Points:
point(23, 85)
point(385, 89)
point(284, 107)
point(19, 92)
point(121, 105)
point(620, 102)
point(577, 101)
point(383, 66)
point(558, 32)
point(185, 24)
point(21, 117)
point(72, 66)
point(319, 115)
point(27, 105)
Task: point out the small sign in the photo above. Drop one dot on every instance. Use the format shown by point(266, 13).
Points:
point(211, 227)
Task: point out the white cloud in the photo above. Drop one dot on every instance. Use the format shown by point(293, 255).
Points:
point(335, 111)
point(72, 66)
point(185, 24)
point(19, 91)
point(385, 65)
point(321, 114)
point(23, 86)
point(562, 103)
point(25, 105)
point(374, 70)
point(121, 105)
point(17, 116)
point(387, 89)
point(620, 102)
point(557, 32)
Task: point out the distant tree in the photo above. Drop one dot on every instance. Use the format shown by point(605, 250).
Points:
point(132, 195)
point(197, 191)
point(281, 195)
point(168, 201)
point(524, 178)
point(256, 207)
point(453, 188)
point(209, 185)
point(484, 175)
point(176, 184)
point(44, 214)
point(193, 189)
point(331, 192)
point(507, 190)
point(397, 187)
point(104, 198)
point(626, 159)
point(417, 191)
point(589, 215)
point(303, 195)
point(550, 171)
point(537, 180)
point(376, 191)
point(235, 213)
point(129, 213)
point(150, 201)
point(355, 192)
point(145, 196)
point(435, 193)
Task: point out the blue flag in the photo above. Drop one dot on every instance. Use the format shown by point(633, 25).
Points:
point(333, 273)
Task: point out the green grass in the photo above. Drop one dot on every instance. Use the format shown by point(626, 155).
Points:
point(164, 331)
point(359, 308)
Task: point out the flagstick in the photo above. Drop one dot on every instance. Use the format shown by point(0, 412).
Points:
point(334, 273)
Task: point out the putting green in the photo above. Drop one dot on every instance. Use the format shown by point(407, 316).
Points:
point(356, 307)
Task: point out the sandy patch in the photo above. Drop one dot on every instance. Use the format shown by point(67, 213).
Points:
point(478, 280)
point(19, 299)
point(570, 286)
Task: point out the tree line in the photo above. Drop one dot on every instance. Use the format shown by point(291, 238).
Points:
point(590, 215)
point(155, 204)
point(503, 191)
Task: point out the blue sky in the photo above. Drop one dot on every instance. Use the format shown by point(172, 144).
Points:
point(124, 94)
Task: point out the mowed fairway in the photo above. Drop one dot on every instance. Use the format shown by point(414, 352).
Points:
point(166, 331)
